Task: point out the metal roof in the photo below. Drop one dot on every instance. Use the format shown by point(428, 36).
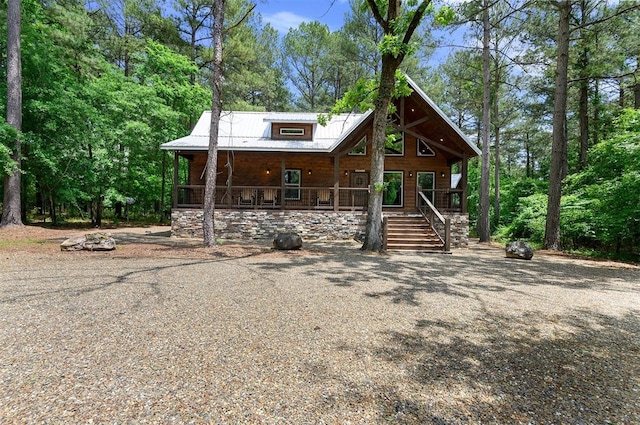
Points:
point(252, 131)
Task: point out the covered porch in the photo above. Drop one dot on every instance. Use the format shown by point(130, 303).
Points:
point(309, 184)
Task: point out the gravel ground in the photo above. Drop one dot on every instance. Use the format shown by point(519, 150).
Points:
point(161, 331)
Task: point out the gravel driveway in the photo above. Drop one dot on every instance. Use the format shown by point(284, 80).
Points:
point(324, 335)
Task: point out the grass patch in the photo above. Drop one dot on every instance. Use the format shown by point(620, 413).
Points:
point(22, 243)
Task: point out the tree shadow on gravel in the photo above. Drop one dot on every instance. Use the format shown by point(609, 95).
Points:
point(72, 281)
point(460, 274)
point(501, 370)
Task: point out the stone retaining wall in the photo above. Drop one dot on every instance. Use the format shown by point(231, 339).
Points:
point(261, 224)
point(265, 224)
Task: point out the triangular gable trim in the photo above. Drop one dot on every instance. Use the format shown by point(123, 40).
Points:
point(442, 115)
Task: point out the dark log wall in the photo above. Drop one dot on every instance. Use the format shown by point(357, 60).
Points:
point(250, 168)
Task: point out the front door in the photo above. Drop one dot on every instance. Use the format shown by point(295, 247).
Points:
point(427, 184)
point(359, 180)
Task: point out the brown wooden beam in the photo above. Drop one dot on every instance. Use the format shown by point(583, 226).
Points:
point(175, 179)
point(464, 172)
point(434, 143)
point(336, 183)
point(283, 167)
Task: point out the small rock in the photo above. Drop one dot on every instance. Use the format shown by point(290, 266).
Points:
point(287, 241)
point(519, 249)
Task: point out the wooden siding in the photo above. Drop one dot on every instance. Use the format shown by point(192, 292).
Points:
point(250, 168)
point(276, 126)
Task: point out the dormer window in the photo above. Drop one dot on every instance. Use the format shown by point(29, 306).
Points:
point(291, 131)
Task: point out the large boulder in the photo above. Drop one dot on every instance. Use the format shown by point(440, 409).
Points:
point(287, 241)
point(90, 242)
point(519, 249)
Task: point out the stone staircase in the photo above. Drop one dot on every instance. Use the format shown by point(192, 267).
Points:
point(412, 233)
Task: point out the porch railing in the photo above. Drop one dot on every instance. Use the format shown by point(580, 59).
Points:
point(439, 223)
point(275, 197)
point(449, 200)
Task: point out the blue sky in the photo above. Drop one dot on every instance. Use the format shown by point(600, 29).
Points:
point(285, 14)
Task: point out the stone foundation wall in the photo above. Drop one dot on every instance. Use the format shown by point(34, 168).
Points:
point(261, 224)
point(459, 229)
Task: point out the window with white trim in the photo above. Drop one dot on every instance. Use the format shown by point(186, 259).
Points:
point(395, 146)
point(424, 149)
point(360, 148)
point(292, 184)
point(291, 131)
point(393, 188)
point(427, 183)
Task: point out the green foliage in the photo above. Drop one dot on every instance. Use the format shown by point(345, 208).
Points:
point(513, 190)
point(8, 135)
point(529, 223)
point(360, 98)
point(611, 184)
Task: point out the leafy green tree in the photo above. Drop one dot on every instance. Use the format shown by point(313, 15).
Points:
point(305, 54)
point(254, 81)
point(398, 25)
point(610, 184)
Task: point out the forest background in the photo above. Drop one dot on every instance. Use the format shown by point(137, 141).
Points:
point(106, 82)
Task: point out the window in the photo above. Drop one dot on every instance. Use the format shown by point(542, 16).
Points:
point(292, 184)
point(394, 145)
point(291, 131)
point(392, 196)
point(427, 183)
point(424, 149)
point(360, 148)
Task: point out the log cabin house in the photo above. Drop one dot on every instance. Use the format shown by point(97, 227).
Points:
point(283, 171)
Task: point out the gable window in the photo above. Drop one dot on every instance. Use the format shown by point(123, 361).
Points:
point(360, 148)
point(394, 145)
point(424, 149)
point(393, 182)
point(291, 131)
point(292, 185)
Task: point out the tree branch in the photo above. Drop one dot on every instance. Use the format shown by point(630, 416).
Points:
point(376, 14)
point(415, 21)
point(606, 18)
point(247, 13)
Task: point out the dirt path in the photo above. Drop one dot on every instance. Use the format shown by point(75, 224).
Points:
point(160, 332)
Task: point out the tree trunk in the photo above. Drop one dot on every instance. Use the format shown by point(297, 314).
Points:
point(216, 108)
point(484, 231)
point(583, 102)
point(496, 140)
point(11, 206)
point(583, 117)
point(390, 63)
point(163, 187)
point(528, 154)
point(559, 148)
point(373, 234)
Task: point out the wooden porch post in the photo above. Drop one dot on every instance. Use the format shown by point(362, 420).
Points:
point(175, 179)
point(336, 183)
point(283, 167)
point(465, 172)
